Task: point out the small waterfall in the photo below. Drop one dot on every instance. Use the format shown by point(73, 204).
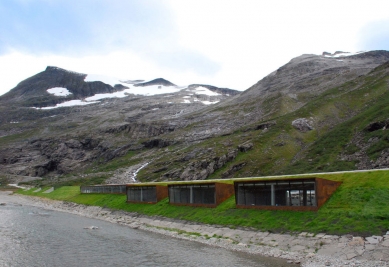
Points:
point(136, 171)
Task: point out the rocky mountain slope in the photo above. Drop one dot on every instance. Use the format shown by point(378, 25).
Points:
point(316, 113)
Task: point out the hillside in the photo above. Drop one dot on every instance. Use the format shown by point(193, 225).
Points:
point(358, 207)
point(316, 113)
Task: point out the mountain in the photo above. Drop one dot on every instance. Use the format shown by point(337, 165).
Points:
point(316, 113)
point(33, 91)
point(158, 81)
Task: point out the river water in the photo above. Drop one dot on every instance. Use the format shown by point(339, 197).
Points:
point(31, 236)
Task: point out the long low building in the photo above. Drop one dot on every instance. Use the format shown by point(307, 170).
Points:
point(285, 194)
point(300, 194)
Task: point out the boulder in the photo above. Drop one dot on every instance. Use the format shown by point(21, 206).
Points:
point(303, 124)
point(245, 147)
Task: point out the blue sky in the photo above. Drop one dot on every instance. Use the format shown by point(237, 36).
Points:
point(77, 27)
point(227, 43)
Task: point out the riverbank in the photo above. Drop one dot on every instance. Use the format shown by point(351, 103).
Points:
point(305, 249)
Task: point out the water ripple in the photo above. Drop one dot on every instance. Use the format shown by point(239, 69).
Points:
point(35, 237)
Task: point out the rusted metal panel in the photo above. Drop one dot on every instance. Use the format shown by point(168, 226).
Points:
point(223, 192)
point(162, 192)
point(324, 190)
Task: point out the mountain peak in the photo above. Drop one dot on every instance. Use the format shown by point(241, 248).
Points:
point(158, 81)
point(57, 69)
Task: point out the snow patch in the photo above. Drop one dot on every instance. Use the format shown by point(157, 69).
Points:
point(105, 79)
point(119, 94)
point(209, 102)
point(59, 91)
point(154, 90)
point(131, 89)
point(200, 90)
point(186, 101)
point(136, 90)
point(344, 54)
point(70, 103)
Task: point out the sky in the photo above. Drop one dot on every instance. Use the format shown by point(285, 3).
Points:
point(225, 43)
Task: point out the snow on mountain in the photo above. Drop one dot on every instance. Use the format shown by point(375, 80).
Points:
point(342, 54)
point(197, 91)
point(132, 88)
point(59, 91)
point(119, 94)
point(105, 79)
point(69, 104)
point(209, 102)
point(136, 90)
point(154, 90)
point(200, 90)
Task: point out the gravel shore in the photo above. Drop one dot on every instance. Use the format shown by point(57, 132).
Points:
point(304, 249)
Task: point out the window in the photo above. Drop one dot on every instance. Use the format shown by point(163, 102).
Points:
point(192, 194)
point(142, 194)
point(276, 193)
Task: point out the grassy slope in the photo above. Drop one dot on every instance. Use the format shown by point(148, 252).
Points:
point(359, 206)
point(338, 114)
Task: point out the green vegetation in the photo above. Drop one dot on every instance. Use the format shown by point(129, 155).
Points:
point(359, 206)
point(112, 165)
point(86, 180)
point(382, 137)
point(5, 140)
point(339, 115)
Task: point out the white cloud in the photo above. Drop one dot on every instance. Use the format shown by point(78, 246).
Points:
point(226, 43)
point(250, 39)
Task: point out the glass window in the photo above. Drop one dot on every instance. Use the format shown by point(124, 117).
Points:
point(276, 193)
point(196, 194)
point(142, 194)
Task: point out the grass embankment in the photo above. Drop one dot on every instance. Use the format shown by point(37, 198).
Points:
point(360, 206)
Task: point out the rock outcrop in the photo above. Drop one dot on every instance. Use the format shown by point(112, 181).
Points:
point(303, 124)
point(200, 170)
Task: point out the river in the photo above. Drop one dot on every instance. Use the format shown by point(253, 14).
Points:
point(31, 236)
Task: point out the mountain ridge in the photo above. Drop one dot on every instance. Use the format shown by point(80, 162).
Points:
point(309, 115)
point(158, 81)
